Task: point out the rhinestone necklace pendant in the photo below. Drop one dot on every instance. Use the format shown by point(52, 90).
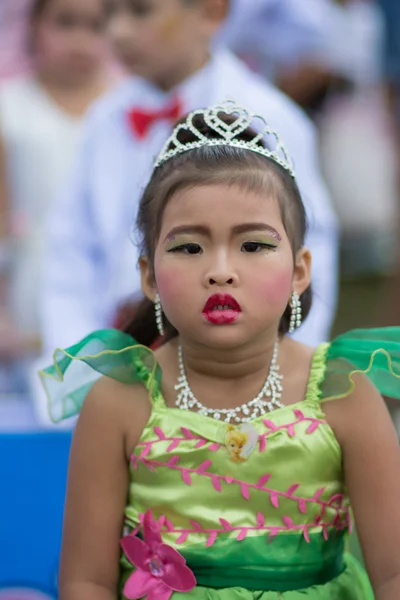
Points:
point(267, 400)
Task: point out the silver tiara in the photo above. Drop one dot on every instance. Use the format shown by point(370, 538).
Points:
point(275, 149)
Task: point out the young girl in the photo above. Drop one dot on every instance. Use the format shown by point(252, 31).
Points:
point(41, 122)
point(229, 459)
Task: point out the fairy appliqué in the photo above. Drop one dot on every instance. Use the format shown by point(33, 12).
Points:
point(240, 442)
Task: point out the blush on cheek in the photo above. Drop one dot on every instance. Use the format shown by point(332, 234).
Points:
point(172, 288)
point(274, 289)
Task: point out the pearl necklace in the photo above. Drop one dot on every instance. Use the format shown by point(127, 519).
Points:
point(267, 400)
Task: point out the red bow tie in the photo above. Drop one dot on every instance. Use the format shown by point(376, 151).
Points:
point(141, 120)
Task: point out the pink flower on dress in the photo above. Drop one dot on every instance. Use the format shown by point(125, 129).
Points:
point(160, 569)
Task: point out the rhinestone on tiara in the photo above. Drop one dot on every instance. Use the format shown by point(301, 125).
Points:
point(229, 135)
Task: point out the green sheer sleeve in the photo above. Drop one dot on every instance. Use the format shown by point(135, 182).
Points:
point(373, 352)
point(108, 353)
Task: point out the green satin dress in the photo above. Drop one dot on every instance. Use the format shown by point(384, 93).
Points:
point(266, 524)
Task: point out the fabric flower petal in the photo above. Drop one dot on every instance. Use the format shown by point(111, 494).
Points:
point(160, 592)
point(139, 584)
point(170, 555)
point(179, 578)
point(177, 575)
point(151, 532)
point(137, 551)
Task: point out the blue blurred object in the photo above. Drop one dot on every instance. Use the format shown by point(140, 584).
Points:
point(391, 10)
point(33, 473)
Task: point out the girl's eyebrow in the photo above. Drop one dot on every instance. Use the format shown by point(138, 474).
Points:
point(242, 228)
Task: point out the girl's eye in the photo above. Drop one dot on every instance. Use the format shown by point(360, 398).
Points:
point(187, 249)
point(256, 247)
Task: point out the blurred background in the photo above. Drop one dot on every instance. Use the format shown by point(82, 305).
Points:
point(339, 60)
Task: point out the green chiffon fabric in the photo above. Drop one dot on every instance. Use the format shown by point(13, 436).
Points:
point(272, 525)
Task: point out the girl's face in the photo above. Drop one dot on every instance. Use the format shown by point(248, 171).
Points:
point(68, 37)
point(224, 266)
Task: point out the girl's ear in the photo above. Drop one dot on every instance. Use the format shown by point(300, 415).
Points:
point(302, 271)
point(148, 283)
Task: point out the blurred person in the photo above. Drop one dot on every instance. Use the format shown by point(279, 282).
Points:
point(289, 42)
point(391, 12)
point(13, 58)
point(165, 44)
point(362, 182)
point(40, 130)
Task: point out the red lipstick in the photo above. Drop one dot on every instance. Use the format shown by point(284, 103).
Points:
point(221, 309)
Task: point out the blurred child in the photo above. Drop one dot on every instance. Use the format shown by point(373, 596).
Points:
point(40, 129)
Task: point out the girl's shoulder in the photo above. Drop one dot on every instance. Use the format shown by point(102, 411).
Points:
point(125, 407)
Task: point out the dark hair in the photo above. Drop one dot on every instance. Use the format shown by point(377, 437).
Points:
point(35, 13)
point(214, 165)
point(37, 9)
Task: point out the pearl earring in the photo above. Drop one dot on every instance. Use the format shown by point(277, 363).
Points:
point(159, 314)
point(295, 317)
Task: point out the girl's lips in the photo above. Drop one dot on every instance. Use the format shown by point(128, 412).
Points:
point(227, 301)
point(221, 309)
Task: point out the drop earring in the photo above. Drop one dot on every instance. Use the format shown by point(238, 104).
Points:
point(296, 316)
point(159, 314)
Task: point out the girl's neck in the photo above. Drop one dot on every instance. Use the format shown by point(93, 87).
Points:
point(232, 364)
point(74, 96)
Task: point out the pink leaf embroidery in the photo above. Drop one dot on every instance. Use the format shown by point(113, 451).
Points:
point(263, 443)
point(302, 506)
point(172, 446)
point(288, 522)
point(228, 479)
point(169, 525)
point(204, 466)
point(173, 461)
point(299, 415)
point(260, 520)
point(242, 535)
point(148, 464)
point(314, 425)
point(290, 430)
point(350, 523)
point(318, 494)
point(306, 536)
point(227, 526)
point(182, 538)
point(272, 535)
point(263, 480)
point(211, 539)
point(269, 424)
point(186, 477)
point(216, 483)
point(292, 489)
point(196, 526)
point(274, 499)
point(214, 447)
point(161, 521)
point(245, 491)
point(201, 443)
point(187, 433)
point(325, 533)
point(146, 450)
point(159, 432)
